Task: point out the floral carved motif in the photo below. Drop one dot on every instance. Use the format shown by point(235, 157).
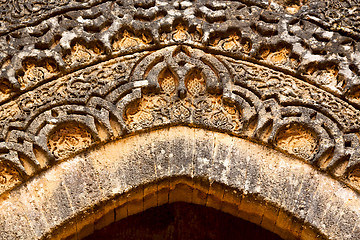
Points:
point(203, 110)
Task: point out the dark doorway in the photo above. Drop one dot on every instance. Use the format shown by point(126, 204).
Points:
point(182, 221)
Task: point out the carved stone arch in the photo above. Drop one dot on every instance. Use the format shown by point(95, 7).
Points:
point(230, 176)
point(108, 105)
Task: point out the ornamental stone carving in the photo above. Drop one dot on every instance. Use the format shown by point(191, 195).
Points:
point(79, 74)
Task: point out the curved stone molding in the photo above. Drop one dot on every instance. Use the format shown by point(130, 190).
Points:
point(292, 194)
point(178, 85)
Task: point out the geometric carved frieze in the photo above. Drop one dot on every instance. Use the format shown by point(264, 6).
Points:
point(43, 40)
point(78, 73)
point(177, 85)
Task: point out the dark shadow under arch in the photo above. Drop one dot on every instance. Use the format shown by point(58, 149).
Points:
point(182, 221)
point(180, 164)
point(172, 195)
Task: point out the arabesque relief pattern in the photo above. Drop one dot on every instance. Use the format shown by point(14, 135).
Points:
point(265, 72)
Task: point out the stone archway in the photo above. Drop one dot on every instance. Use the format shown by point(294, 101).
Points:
point(249, 103)
point(247, 180)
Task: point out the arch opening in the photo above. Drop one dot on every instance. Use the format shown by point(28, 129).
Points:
point(182, 164)
point(182, 221)
point(167, 194)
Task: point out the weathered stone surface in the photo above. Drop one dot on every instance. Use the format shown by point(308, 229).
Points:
point(14, 223)
point(108, 106)
point(86, 85)
point(88, 70)
point(252, 200)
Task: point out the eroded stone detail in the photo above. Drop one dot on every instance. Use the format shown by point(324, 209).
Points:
point(236, 28)
point(68, 139)
point(9, 177)
point(208, 111)
point(297, 140)
point(289, 89)
point(80, 73)
point(180, 34)
point(327, 76)
point(127, 40)
point(81, 54)
point(290, 6)
point(354, 178)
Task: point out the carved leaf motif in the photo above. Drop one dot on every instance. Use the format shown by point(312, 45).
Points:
point(179, 112)
point(219, 119)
